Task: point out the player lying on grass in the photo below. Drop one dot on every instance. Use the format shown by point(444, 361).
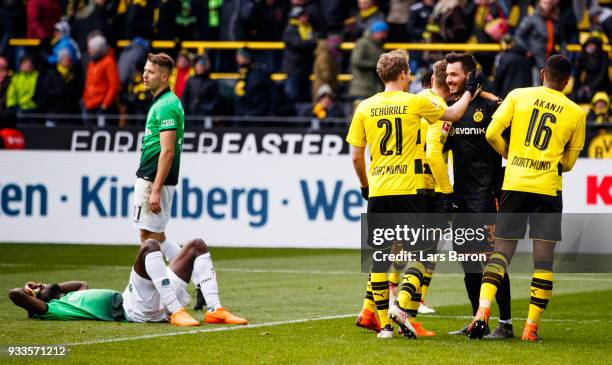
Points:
point(155, 293)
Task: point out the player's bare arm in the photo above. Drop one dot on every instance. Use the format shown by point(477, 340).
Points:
point(495, 139)
point(166, 155)
point(33, 297)
point(359, 164)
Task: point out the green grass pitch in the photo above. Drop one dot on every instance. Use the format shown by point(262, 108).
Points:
point(301, 305)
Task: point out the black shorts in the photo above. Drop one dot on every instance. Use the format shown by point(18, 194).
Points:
point(397, 204)
point(543, 212)
point(393, 210)
point(474, 212)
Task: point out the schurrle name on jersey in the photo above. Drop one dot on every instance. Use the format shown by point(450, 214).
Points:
point(531, 163)
point(548, 105)
point(389, 110)
point(389, 170)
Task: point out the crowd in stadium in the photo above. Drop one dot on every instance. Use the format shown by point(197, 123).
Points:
point(79, 69)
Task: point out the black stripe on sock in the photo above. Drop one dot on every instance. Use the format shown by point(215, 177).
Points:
point(380, 285)
point(412, 312)
point(416, 273)
point(541, 286)
point(426, 280)
point(409, 288)
point(492, 275)
point(382, 304)
point(541, 281)
point(539, 302)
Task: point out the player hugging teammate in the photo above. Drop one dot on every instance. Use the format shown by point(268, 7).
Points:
point(392, 141)
point(477, 146)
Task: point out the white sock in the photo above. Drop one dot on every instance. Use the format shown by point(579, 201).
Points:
point(156, 268)
point(508, 321)
point(204, 275)
point(169, 249)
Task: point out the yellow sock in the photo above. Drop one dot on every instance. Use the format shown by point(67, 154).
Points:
point(413, 306)
point(411, 284)
point(541, 292)
point(368, 302)
point(380, 292)
point(426, 281)
point(394, 278)
point(492, 276)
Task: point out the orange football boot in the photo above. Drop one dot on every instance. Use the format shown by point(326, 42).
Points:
point(530, 332)
point(368, 320)
point(221, 316)
point(182, 318)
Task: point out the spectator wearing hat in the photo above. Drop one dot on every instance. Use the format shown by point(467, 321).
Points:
point(131, 58)
point(325, 105)
point(201, 95)
point(591, 70)
point(602, 17)
point(364, 58)
point(315, 15)
point(181, 73)
point(22, 91)
point(102, 81)
point(367, 15)
point(42, 16)
point(600, 109)
point(62, 88)
point(254, 90)
point(62, 41)
point(298, 55)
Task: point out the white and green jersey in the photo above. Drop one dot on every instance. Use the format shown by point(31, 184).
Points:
point(165, 114)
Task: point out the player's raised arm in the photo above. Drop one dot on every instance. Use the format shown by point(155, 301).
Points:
point(23, 298)
point(435, 158)
point(74, 285)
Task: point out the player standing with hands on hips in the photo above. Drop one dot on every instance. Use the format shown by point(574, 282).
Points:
point(157, 177)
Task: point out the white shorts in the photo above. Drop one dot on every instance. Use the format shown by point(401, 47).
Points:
point(143, 217)
point(142, 302)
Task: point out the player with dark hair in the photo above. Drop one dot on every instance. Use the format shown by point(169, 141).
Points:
point(546, 137)
point(155, 293)
point(477, 170)
point(388, 123)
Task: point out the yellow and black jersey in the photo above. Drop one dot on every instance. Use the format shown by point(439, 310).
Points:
point(432, 141)
point(544, 123)
point(389, 123)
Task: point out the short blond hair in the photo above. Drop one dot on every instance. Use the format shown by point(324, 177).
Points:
point(391, 64)
point(439, 73)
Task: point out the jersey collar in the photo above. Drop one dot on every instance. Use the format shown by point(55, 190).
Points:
point(166, 90)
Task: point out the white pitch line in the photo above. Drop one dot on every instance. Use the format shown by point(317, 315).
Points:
point(209, 330)
point(280, 323)
point(567, 320)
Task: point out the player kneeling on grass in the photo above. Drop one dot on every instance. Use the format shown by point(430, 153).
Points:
point(155, 293)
